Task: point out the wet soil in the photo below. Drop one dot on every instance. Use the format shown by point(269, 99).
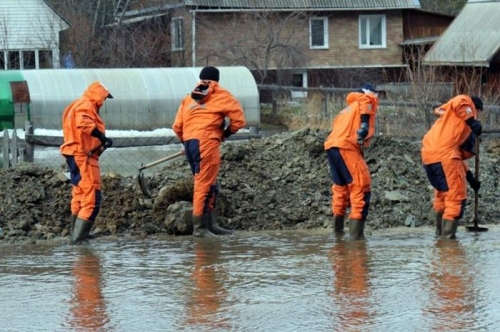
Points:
point(277, 182)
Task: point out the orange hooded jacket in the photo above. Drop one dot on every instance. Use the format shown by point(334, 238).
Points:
point(202, 121)
point(80, 118)
point(449, 132)
point(348, 121)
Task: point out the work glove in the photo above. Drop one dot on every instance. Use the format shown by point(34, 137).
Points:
point(362, 133)
point(227, 132)
point(105, 141)
point(474, 184)
point(475, 126)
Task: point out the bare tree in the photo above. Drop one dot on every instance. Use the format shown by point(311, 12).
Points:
point(268, 41)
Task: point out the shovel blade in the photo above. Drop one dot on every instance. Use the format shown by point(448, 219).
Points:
point(476, 229)
point(142, 184)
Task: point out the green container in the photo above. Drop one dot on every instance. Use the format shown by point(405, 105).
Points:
point(7, 113)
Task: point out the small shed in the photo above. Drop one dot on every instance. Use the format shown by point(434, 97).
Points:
point(144, 98)
point(29, 31)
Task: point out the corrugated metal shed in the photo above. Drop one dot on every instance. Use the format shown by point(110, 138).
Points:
point(28, 25)
point(472, 39)
point(144, 98)
point(306, 4)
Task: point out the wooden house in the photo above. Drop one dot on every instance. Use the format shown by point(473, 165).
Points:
point(29, 35)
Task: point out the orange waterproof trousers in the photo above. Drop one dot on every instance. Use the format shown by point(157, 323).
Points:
point(450, 187)
point(204, 159)
point(85, 176)
point(351, 183)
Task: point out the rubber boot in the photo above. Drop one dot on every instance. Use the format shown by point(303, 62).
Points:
point(439, 222)
point(338, 225)
point(81, 230)
point(356, 229)
point(213, 225)
point(73, 220)
point(449, 229)
point(200, 226)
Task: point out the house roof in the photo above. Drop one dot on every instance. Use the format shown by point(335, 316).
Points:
point(472, 39)
point(305, 4)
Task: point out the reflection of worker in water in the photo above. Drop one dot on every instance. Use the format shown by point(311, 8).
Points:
point(208, 291)
point(451, 301)
point(89, 308)
point(350, 265)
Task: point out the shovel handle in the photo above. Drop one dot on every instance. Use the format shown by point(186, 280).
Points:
point(476, 192)
point(162, 160)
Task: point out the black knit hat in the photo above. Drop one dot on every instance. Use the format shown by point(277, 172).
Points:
point(478, 103)
point(209, 73)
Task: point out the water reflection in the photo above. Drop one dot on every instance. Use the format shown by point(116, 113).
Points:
point(452, 288)
point(88, 306)
point(208, 292)
point(349, 261)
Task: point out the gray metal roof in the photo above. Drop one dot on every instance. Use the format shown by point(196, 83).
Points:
point(305, 4)
point(472, 39)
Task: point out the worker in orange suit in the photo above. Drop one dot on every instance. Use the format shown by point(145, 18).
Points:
point(444, 148)
point(88, 304)
point(200, 126)
point(351, 132)
point(349, 260)
point(84, 141)
point(208, 292)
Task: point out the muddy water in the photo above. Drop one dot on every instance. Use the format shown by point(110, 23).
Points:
point(399, 280)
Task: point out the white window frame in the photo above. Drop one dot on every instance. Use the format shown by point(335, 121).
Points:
point(325, 32)
point(177, 33)
point(383, 37)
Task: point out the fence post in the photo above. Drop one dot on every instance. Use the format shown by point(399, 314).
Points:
point(30, 147)
point(5, 148)
point(13, 148)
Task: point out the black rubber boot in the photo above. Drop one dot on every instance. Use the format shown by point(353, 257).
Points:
point(81, 230)
point(213, 225)
point(73, 220)
point(356, 229)
point(449, 229)
point(338, 225)
point(439, 222)
point(200, 226)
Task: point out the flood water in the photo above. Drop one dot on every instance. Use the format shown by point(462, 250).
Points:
point(398, 280)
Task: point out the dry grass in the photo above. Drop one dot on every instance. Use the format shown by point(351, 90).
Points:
point(318, 112)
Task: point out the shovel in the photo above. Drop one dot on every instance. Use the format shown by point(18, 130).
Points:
point(140, 176)
point(475, 227)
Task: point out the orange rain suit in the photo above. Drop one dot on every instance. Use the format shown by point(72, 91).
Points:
point(79, 119)
point(349, 171)
point(443, 151)
point(199, 125)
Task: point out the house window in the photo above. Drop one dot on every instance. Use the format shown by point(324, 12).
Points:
point(28, 60)
point(372, 33)
point(299, 79)
point(177, 34)
point(14, 60)
point(45, 59)
point(318, 32)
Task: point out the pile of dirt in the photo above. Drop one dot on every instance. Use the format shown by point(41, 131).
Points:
point(277, 182)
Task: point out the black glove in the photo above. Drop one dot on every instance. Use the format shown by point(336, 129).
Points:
point(474, 184)
point(227, 132)
point(362, 132)
point(105, 141)
point(475, 126)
